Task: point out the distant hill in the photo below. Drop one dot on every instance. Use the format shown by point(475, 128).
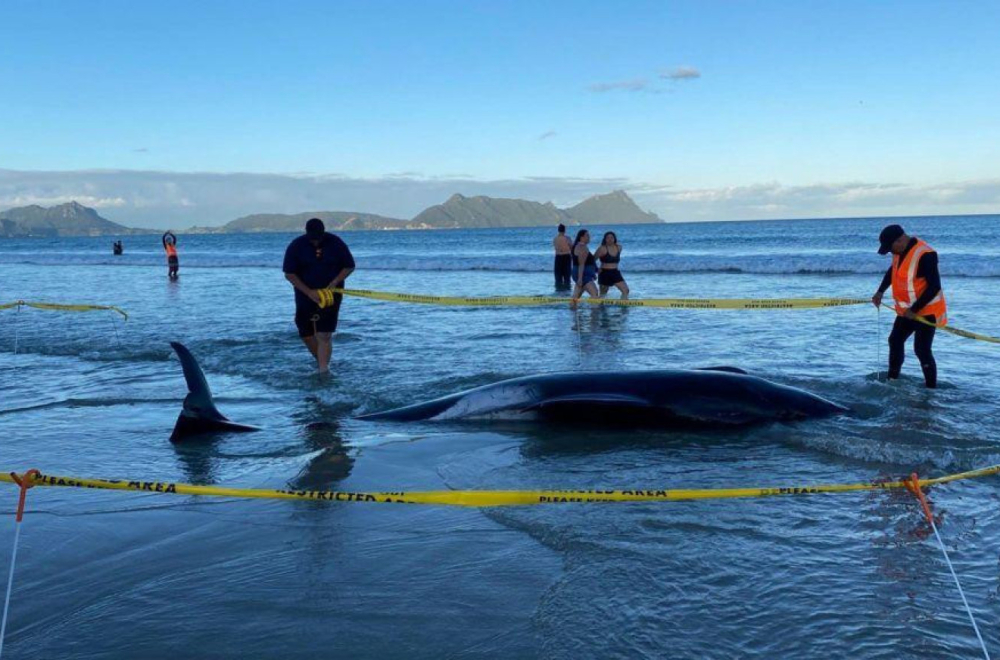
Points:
point(615, 208)
point(459, 212)
point(334, 221)
point(71, 219)
point(468, 212)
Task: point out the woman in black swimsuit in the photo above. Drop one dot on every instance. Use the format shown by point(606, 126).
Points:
point(610, 253)
point(584, 269)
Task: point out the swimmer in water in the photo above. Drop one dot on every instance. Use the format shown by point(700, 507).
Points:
point(170, 246)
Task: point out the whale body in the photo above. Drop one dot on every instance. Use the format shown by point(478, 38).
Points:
point(668, 397)
point(199, 415)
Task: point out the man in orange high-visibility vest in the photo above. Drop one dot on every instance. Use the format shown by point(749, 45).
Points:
point(916, 290)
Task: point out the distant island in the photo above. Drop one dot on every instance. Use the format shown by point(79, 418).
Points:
point(70, 219)
point(459, 212)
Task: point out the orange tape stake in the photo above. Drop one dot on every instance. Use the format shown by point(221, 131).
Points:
point(913, 485)
point(24, 482)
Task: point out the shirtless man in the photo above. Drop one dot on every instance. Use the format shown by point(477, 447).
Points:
point(564, 258)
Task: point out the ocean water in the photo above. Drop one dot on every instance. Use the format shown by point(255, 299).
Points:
point(114, 575)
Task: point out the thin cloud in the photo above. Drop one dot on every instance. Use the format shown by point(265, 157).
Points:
point(546, 135)
point(634, 85)
point(681, 73)
point(675, 75)
point(42, 199)
point(822, 200)
point(141, 150)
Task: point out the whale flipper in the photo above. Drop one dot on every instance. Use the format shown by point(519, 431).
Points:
point(199, 414)
point(592, 399)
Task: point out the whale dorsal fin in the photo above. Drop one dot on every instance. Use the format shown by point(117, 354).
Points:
point(198, 401)
point(199, 414)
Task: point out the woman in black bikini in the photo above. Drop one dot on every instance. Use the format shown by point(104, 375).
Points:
point(610, 253)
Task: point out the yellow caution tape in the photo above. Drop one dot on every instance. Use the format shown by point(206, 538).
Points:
point(488, 498)
point(327, 296)
point(968, 335)
point(526, 301)
point(947, 328)
point(63, 308)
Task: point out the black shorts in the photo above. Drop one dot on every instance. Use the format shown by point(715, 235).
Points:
point(172, 262)
point(610, 277)
point(325, 319)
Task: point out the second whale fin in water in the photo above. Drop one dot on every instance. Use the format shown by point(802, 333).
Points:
point(199, 414)
point(728, 370)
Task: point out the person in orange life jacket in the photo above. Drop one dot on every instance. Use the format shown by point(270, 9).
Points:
point(916, 290)
point(170, 245)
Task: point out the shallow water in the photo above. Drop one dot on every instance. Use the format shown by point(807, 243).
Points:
point(104, 574)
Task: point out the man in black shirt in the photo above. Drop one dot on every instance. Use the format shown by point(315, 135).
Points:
point(317, 260)
point(916, 288)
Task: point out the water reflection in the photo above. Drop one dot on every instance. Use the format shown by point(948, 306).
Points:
point(599, 329)
point(331, 465)
point(201, 458)
point(195, 458)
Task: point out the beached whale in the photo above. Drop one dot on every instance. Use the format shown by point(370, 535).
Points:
point(669, 397)
point(199, 415)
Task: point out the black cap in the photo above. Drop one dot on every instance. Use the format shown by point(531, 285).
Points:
point(315, 229)
point(888, 237)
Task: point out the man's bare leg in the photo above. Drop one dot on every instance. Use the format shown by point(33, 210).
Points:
point(324, 348)
point(310, 343)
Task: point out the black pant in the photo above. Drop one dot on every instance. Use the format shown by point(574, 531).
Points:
point(922, 341)
point(562, 268)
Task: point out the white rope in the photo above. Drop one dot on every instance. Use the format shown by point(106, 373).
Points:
point(17, 533)
point(579, 336)
point(10, 586)
point(16, 314)
point(961, 593)
point(878, 344)
point(114, 324)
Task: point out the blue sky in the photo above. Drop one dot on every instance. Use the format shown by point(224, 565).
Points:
point(701, 110)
